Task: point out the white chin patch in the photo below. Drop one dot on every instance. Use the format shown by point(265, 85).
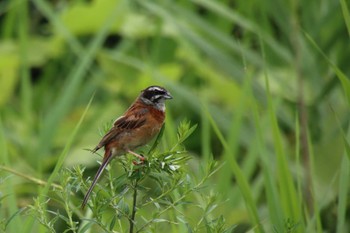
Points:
point(160, 106)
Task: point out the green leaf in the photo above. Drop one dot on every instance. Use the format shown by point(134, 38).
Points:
point(9, 65)
point(113, 221)
point(157, 141)
point(346, 14)
point(184, 130)
point(344, 80)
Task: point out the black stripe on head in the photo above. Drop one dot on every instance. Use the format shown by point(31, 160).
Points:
point(154, 93)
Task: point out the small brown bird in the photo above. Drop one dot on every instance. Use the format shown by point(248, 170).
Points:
point(137, 126)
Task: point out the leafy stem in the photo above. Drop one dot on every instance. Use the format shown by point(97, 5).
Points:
point(134, 208)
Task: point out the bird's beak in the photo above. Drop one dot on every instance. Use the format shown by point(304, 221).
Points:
point(168, 96)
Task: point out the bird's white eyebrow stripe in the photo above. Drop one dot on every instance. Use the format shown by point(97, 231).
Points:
point(155, 88)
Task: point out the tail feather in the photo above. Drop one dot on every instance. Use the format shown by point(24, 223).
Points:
point(96, 178)
point(96, 149)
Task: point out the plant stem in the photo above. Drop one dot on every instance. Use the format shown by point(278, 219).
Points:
point(30, 178)
point(303, 113)
point(133, 213)
point(199, 184)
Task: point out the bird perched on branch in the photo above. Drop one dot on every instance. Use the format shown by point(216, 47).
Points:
point(136, 127)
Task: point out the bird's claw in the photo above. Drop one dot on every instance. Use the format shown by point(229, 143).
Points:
point(142, 160)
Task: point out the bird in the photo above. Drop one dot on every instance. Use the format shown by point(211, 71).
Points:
point(141, 122)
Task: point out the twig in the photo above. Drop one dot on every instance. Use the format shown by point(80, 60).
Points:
point(133, 213)
point(35, 180)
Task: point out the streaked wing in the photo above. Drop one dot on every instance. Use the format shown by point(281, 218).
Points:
point(134, 120)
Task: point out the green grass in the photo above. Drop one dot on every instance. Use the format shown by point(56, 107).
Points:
point(266, 83)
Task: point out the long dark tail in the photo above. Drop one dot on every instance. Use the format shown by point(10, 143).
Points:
point(96, 178)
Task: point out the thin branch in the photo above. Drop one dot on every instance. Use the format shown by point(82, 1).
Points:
point(35, 180)
point(133, 213)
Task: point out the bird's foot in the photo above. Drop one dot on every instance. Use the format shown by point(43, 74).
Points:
point(142, 160)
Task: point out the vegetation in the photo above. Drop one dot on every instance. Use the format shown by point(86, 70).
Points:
point(265, 85)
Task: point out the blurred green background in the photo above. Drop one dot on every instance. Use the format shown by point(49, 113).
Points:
point(266, 82)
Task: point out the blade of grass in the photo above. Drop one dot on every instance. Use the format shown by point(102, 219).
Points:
point(223, 60)
point(297, 160)
point(346, 14)
point(205, 134)
point(234, 139)
point(222, 38)
point(43, 193)
point(287, 189)
point(344, 180)
point(30, 178)
point(74, 80)
point(23, 34)
point(343, 190)
point(344, 170)
point(341, 76)
point(11, 202)
point(273, 199)
point(63, 155)
point(241, 180)
point(9, 23)
point(26, 88)
point(221, 10)
point(316, 217)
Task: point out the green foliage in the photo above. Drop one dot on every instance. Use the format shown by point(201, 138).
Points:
point(161, 181)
